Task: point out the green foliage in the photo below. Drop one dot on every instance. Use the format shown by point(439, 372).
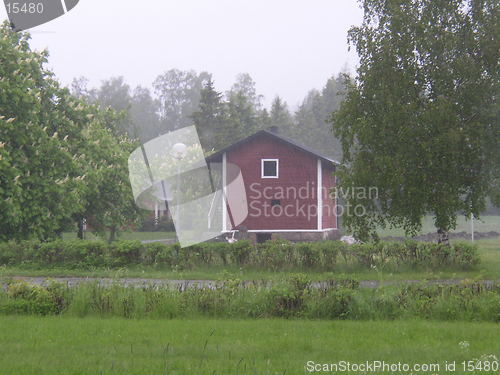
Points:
point(335, 303)
point(277, 255)
point(280, 115)
point(286, 298)
point(420, 121)
point(293, 297)
point(24, 298)
point(60, 160)
point(185, 97)
point(139, 118)
point(310, 125)
point(38, 185)
point(179, 96)
point(211, 117)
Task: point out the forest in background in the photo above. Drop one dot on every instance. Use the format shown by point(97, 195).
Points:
point(182, 98)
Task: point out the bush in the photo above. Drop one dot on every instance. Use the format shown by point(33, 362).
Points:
point(392, 255)
point(123, 253)
point(24, 298)
point(334, 303)
point(293, 297)
point(275, 255)
point(272, 255)
point(286, 298)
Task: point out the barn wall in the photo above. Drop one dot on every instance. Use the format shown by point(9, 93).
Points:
point(329, 209)
point(297, 171)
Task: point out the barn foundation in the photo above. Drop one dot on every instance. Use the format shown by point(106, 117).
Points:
point(257, 237)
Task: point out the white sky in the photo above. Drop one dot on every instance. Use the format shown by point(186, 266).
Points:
point(287, 46)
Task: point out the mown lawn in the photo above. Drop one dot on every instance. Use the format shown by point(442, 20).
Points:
point(489, 251)
point(55, 345)
point(487, 223)
point(139, 236)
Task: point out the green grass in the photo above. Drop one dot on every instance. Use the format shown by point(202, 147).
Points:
point(52, 345)
point(489, 251)
point(139, 236)
point(483, 225)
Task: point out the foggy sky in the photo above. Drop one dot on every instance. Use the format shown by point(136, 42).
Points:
point(287, 46)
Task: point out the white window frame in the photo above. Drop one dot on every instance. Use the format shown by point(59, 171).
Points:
point(262, 168)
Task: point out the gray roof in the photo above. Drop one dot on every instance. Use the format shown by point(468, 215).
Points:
point(278, 137)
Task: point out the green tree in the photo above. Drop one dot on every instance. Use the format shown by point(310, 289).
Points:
point(144, 115)
point(38, 191)
point(245, 114)
point(242, 118)
point(59, 158)
point(280, 116)
point(115, 93)
point(311, 119)
point(80, 88)
point(246, 86)
point(108, 203)
point(420, 122)
point(210, 118)
point(263, 119)
point(179, 95)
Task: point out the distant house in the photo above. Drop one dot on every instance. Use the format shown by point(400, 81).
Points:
point(288, 188)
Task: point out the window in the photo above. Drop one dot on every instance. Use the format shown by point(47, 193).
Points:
point(275, 202)
point(269, 168)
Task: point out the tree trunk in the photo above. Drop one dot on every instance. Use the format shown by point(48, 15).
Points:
point(112, 233)
point(443, 237)
point(80, 234)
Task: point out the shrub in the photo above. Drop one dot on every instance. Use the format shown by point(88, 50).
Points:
point(290, 298)
point(327, 253)
point(271, 255)
point(342, 280)
point(240, 252)
point(24, 298)
point(275, 255)
point(151, 253)
point(123, 253)
point(465, 255)
point(286, 298)
point(334, 303)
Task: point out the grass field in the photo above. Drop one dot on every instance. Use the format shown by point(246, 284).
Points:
point(489, 251)
point(139, 236)
point(483, 225)
point(30, 345)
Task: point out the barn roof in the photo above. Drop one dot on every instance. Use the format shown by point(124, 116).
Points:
point(288, 141)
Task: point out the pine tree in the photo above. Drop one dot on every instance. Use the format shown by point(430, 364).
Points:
point(280, 115)
point(210, 118)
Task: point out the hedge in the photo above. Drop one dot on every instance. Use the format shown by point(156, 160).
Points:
point(271, 255)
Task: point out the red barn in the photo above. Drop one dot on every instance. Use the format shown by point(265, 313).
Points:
point(288, 188)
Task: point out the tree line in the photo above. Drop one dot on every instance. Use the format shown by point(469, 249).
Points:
point(182, 98)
